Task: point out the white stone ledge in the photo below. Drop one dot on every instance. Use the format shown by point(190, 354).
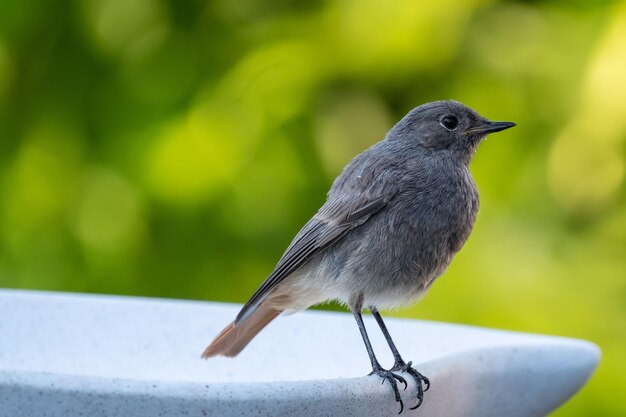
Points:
point(72, 355)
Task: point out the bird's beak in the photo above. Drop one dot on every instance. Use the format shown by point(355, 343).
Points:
point(489, 127)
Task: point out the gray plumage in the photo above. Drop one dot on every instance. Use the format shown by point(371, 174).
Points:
point(393, 220)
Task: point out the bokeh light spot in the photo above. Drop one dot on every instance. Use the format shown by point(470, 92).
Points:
point(197, 155)
point(277, 80)
point(586, 166)
point(388, 39)
point(108, 216)
point(119, 25)
point(40, 181)
point(347, 123)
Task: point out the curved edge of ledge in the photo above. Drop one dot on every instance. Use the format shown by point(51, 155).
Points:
point(529, 379)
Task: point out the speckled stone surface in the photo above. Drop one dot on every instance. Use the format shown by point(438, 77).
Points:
point(84, 355)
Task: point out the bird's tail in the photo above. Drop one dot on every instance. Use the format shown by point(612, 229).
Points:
point(236, 336)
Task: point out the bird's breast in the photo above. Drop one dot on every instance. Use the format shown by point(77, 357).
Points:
point(415, 240)
point(396, 255)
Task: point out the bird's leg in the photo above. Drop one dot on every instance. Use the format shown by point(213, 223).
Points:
point(400, 364)
point(376, 368)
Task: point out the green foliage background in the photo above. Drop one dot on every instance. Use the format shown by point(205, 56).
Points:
point(173, 148)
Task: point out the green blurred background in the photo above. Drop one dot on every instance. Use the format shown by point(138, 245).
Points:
point(173, 148)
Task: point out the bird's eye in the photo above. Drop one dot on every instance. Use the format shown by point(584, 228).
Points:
point(449, 121)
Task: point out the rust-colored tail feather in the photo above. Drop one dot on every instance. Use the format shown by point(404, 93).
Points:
point(235, 337)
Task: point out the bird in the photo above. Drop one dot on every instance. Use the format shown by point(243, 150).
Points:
point(392, 222)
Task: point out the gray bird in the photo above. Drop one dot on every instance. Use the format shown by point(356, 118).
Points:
point(392, 222)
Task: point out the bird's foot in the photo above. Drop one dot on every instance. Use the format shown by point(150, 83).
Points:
point(421, 381)
point(391, 377)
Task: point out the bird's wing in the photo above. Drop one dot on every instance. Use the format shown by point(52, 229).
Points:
point(335, 218)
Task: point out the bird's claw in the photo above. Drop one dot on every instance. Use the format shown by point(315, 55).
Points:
point(391, 377)
point(423, 383)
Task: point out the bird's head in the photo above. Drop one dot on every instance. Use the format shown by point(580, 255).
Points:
point(447, 126)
